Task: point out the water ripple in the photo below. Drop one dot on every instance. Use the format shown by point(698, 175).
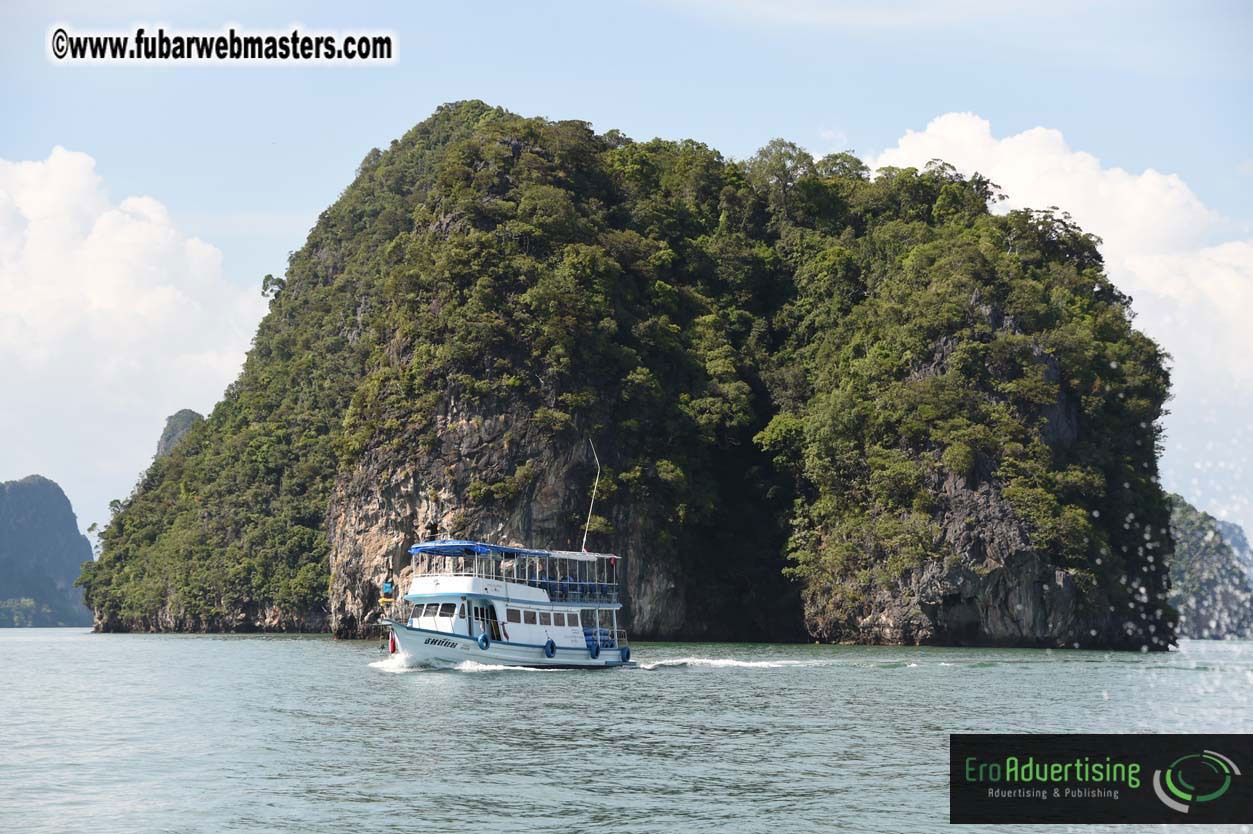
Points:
point(234, 734)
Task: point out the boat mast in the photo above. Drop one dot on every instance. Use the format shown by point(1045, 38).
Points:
point(595, 484)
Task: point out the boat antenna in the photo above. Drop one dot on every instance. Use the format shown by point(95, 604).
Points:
point(595, 484)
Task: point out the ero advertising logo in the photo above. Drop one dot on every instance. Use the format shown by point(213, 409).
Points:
point(1044, 778)
point(1195, 777)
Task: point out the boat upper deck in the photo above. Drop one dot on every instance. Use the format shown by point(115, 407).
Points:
point(566, 576)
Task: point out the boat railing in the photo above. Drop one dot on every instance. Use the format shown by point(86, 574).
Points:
point(559, 590)
point(566, 576)
point(466, 569)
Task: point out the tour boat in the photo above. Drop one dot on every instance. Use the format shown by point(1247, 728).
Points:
point(510, 606)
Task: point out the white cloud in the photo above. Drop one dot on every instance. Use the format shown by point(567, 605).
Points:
point(111, 318)
point(1192, 289)
point(1036, 168)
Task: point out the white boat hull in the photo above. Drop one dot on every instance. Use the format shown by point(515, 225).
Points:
point(423, 647)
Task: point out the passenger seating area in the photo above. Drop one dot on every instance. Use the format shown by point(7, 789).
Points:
point(568, 590)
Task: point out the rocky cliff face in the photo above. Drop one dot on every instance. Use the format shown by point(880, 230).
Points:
point(384, 505)
point(41, 554)
point(989, 584)
point(994, 589)
point(176, 426)
point(239, 619)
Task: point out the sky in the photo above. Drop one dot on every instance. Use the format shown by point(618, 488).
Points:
point(140, 206)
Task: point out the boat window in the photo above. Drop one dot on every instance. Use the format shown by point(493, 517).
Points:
point(448, 609)
point(572, 618)
point(461, 612)
point(513, 615)
point(430, 609)
point(544, 619)
point(559, 619)
point(528, 617)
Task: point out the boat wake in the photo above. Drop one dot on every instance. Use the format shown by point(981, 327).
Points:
point(395, 664)
point(728, 663)
point(400, 664)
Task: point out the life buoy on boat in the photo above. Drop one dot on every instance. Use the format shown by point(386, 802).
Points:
point(550, 649)
point(594, 650)
point(483, 641)
point(626, 653)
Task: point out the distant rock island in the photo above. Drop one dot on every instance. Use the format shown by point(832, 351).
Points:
point(829, 405)
point(176, 426)
point(1233, 534)
point(41, 554)
point(1210, 584)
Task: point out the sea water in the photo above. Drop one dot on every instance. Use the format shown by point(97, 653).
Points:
point(169, 733)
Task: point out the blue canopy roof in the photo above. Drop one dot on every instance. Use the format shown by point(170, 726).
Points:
point(464, 547)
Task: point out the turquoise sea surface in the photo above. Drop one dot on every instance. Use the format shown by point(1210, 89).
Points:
point(170, 733)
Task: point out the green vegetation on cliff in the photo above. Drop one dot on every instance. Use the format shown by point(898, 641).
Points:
point(930, 343)
point(784, 337)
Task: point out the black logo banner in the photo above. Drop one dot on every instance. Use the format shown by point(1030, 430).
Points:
point(1042, 778)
